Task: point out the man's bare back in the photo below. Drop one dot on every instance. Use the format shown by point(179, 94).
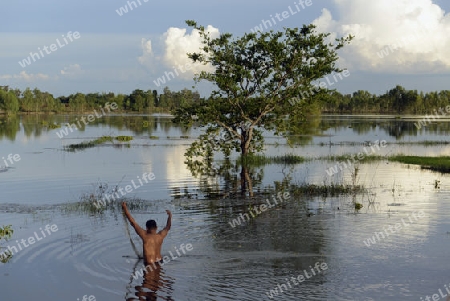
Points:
point(151, 239)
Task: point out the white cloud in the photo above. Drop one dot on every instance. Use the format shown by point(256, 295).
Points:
point(176, 44)
point(72, 70)
point(148, 58)
point(25, 76)
point(397, 36)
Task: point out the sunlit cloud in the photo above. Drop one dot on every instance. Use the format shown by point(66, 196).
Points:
point(395, 36)
point(176, 44)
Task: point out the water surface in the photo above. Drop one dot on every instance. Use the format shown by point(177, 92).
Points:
point(92, 254)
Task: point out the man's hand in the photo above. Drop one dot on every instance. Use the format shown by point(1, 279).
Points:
point(166, 229)
point(139, 230)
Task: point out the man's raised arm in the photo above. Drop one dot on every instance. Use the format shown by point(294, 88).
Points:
point(168, 224)
point(141, 232)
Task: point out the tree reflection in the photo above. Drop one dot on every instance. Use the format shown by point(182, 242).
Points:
point(9, 126)
point(300, 133)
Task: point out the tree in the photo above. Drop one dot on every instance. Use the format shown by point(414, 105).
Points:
point(26, 102)
point(9, 102)
point(255, 77)
point(77, 102)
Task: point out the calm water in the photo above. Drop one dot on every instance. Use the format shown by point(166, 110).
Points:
point(93, 254)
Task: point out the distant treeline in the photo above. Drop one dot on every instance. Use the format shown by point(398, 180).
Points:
point(13, 101)
point(395, 101)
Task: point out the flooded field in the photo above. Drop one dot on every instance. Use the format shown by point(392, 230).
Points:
point(305, 248)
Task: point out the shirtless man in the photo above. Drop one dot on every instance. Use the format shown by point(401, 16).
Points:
point(152, 240)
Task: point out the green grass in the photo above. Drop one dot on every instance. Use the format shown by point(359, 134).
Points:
point(425, 143)
point(51, 126)
point(258, 160)
point(88, 144)
point(98, 141)
point(345, 157)
point(325, 190)
point(154, 137)
point(441, 164)
point(124, 138)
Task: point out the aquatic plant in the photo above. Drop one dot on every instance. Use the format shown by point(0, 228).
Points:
point(88, 144)
point(124, 138)
point(325, 190)
point(347, 157)
point(258, 160)
point(437, 184)
point(87, 201)
point(424, 142)
point(50, 125)
point(5, 233)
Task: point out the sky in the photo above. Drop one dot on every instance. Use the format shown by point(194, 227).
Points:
point(64, 47)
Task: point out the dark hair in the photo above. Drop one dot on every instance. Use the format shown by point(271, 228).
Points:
point(151, 224)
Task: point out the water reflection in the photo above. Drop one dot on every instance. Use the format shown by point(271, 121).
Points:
point(9, 126)
point(155, 284)
point(302, 132)
point(38, 125)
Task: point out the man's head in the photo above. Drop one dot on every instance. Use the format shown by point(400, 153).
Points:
point(151, 225)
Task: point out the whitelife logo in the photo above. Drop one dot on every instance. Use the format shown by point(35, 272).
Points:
point(378, 236)
point(170, 75)
point(146, 177)
point(124, 9)
point(11, 158)
point(283, 16)
point(430, 118)
point(53, 47)
point(319, 267)
point(31, 241)
point(262, 208)
point(90, 118)
point(166, 259)
point(340, 166)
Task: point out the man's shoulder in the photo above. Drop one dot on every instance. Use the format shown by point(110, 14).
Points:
point(151, 236)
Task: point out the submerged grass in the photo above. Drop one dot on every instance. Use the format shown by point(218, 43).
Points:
point(346, 157)
point(87, 201)
point(425, 142)
point(88, 144)
point(124, 138)
point(440, 164)
point(98, 141)
point(330, 190)
point(259, 160)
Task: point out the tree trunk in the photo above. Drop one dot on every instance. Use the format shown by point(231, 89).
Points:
point(246, 182)
point(244, 150)
point(246, 138)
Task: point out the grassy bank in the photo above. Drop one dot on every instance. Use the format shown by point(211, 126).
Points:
point(441, 164)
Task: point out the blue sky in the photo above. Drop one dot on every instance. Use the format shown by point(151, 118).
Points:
point(402, 42)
